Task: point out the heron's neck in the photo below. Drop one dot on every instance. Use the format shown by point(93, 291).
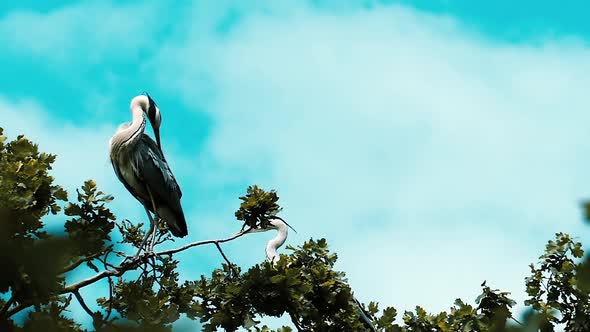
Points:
point(131, 135)
point(276, 243)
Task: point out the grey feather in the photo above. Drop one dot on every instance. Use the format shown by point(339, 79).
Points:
point(150, 172)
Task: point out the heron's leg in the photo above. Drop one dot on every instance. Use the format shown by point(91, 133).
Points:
point(152, 241)
point(155, 223)
point(147, 235)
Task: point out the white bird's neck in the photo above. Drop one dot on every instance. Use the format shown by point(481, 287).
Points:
point(276, 242)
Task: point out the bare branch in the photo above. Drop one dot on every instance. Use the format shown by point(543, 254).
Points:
point(517, 321)
point(110, 309)
point(85, 259)
point(200, 243)
point(133, 264)
point(295, 321)
point(6, 306)
point(17, 308)
point(83, 304)
point(101, 275)
point(230, 264)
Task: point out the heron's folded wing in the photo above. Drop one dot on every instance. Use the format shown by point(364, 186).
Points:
point(156, 174)
point(147, 140)
point(122, 179)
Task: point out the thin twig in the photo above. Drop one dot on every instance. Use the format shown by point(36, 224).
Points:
point(200, 243)
point(6, 306)
point(104, 260)
point(110, 309)
point(17, 308)
point(295, 321)
point(101, 275)
point(143, 271)
point(230, 264)
point(516, 320)
point(83, 304)
point(125, 266)
point(82, 260)
point(364, 316)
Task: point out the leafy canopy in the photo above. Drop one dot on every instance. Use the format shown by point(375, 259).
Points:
point(146, 295)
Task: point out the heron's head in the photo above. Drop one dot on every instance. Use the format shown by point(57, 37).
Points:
point(153, 114)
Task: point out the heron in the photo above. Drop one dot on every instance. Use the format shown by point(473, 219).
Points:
point(272, 256)
point(140, 165)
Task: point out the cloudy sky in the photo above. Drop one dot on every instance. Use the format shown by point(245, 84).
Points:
point(435, 144)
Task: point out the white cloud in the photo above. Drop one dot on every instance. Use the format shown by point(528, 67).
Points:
point(406, 140)
point(82, 152)
point(429, 157)
point(82, 33)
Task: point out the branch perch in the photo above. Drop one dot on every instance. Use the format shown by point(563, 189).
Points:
point(85, 259)
point(6, 306)
point(118, 271)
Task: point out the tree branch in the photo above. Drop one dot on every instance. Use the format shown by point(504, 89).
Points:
point(83, 304)
point(118, 271)
point(295, 320)
point(516, 320)
point(16, 309)
point(363, 315)
point(6, 306)
point(101, 275)
point(110, 309)
point(82, 260)
point(230, 264)
point(200, 243)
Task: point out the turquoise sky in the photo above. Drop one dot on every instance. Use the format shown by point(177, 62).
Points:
point(405, 132)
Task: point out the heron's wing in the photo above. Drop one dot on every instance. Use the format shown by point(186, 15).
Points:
point(160, 156)
point(158, 160)
point(123, 181)
point(154, 172)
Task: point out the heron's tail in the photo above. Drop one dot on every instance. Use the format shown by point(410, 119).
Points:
point(175, 221)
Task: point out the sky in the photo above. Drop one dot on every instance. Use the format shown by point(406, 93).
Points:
point(434, 144)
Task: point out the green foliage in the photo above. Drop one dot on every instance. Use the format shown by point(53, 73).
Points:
point(92, 222)
point(50, 318)
point(302, 285)
point(491, 314)
point(494, 306)
point(146, 294)
point(150, 308)
point(33, 262)
point(258, 207)
point(26, 189)
point(553, 285)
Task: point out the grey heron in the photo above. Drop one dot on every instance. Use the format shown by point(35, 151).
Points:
point(272, 256)
point(140, 165)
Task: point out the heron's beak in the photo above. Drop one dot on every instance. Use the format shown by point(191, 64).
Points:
point(157, 134)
